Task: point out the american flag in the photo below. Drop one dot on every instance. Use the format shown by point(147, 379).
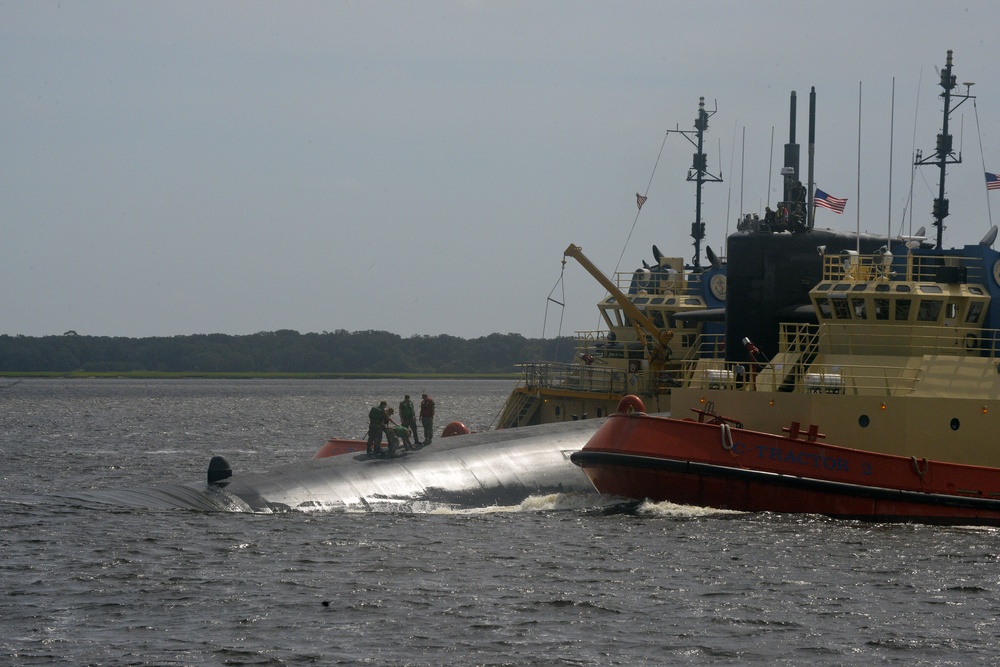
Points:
point(835, 204)
point(639, 200)
point(992, 181)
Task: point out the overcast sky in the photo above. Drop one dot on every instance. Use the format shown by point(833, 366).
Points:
point(419, 167)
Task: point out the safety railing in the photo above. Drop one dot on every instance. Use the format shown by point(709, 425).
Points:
point(893, 340)
point(800, 378)
point(573, 377)
point(851, 265)
point(674, 282)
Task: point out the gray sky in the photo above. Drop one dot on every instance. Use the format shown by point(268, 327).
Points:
point(419, 167)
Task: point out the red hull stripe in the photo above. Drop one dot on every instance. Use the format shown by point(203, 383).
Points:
point(622, 462)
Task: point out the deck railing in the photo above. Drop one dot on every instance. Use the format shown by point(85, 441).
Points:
point(896, 340)
point(871, 369)
point(797, 378)
point(913, 268)
point(573, 377)
point(675, 283)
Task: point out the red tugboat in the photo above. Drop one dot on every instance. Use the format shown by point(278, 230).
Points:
point(715, 462)
point(873, 395)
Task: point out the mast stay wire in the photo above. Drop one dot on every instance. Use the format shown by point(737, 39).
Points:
point(982, 157)
point(729, 193)
point(908, 207)
point(635, 220)
point(561, 282)
point(644, 194)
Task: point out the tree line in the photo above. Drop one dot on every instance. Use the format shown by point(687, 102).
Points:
point(283, 351)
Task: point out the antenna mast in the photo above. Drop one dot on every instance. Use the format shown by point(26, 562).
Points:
point(944, 155)
point(699, 174)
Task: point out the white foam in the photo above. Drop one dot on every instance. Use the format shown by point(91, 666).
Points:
point(669, 509)
point(546, 503)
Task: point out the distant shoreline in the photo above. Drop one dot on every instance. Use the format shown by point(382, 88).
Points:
point(189, 375)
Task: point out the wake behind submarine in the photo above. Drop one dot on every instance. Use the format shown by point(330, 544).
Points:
point(494, 468)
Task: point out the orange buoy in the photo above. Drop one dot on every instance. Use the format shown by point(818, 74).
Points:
point(455, 428)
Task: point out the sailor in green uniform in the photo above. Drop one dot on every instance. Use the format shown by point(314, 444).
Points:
point(389, 426)
point(403, 434)
point(408, 418)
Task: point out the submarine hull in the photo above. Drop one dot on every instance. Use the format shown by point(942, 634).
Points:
point(500, 468)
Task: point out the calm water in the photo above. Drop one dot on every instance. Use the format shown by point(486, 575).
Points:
point(547, 583)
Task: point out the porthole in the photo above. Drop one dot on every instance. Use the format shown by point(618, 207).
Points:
point(558, 410)
point(955, 424)
point(863, 421)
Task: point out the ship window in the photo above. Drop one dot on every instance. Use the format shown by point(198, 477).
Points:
point(902, 310)
point(841, 287)
point(881, 309)
point(929, 310)
point(657, 301)
point(860, 312)
point(640, 300)
point(863, 421)
point(823, 286)
point(975, 312)
point(694, 301)
point(930, 289)
point(613, 316)
point(951, 311)
point(671, 302)
point(975, 290)
point(824, 307)
point(882, 287)
point(859, 287)
point(955, 424)
point(840, 309)
point(902, 288)
point(657, 317)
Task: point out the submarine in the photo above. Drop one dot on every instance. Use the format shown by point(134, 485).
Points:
point(493, 468)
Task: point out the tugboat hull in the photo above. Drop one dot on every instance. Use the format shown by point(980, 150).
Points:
point(718, 465)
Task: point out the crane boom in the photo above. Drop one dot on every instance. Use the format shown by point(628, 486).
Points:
point(661, 337)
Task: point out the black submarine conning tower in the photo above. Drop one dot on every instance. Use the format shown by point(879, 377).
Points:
point(791, 169)
point(944, 153)
point(811, 192)
point(699, 174)
point(770, 271)
point(795, 207)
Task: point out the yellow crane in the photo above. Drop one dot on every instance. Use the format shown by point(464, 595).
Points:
point(657, 340)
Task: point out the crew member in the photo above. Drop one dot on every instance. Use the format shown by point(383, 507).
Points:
point(403, 434)
point(390, 432)
point(427, 417)
point(408, 418)
point(376, 425)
